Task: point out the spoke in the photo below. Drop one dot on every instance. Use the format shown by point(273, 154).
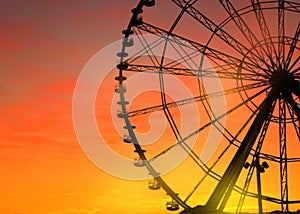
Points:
point(296, 70)
point(283, 156)
point(198, 161)
point(281, 35)
point(193, 100)
point(211, 122)
point(220, 32)
point(211, 53)
point(264, 29)
point(241, 67)
point(209, 111)
point(216, 72)
point(183, 59)
point(223, 115)
point(244, 29)
point(293, 46)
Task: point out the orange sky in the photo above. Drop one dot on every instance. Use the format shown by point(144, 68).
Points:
point(45, 45)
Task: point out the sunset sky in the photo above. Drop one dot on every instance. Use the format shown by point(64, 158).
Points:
point(45, 46)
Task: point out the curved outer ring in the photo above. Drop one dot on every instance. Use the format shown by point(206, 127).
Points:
point(122, 90)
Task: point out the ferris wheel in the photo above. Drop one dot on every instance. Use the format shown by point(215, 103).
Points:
point(250, 48)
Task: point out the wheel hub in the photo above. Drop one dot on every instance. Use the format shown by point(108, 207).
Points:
point(285, 82)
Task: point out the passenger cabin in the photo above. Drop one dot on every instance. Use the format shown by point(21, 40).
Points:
point(138, 21)
point(127, 139)
point(149, 3)
point(138, 162)
point(122, 65)
point(172, 205)
point(120, 89)
point(120, 114)
point(153, 184)
point(128, 42)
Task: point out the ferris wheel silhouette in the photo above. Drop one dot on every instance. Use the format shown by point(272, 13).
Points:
point(254, 51)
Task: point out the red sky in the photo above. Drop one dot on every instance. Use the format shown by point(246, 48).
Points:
point(45, 45)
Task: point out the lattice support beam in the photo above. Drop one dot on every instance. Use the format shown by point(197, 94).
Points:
point(254, 159)
point(283, 156)
point(281, 34)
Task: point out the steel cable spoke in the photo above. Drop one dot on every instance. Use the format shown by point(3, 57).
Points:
point(215, 72)
point(210, 53)
point(281, 35)
point(245, 30)
point(211, 122)
point(220, 32)
point(264, 29)
point(193, 99)
point(292, 47)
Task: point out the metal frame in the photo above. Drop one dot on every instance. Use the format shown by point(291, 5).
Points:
point(263, 63)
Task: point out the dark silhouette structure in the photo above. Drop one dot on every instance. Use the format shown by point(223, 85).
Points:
point(269, 61)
